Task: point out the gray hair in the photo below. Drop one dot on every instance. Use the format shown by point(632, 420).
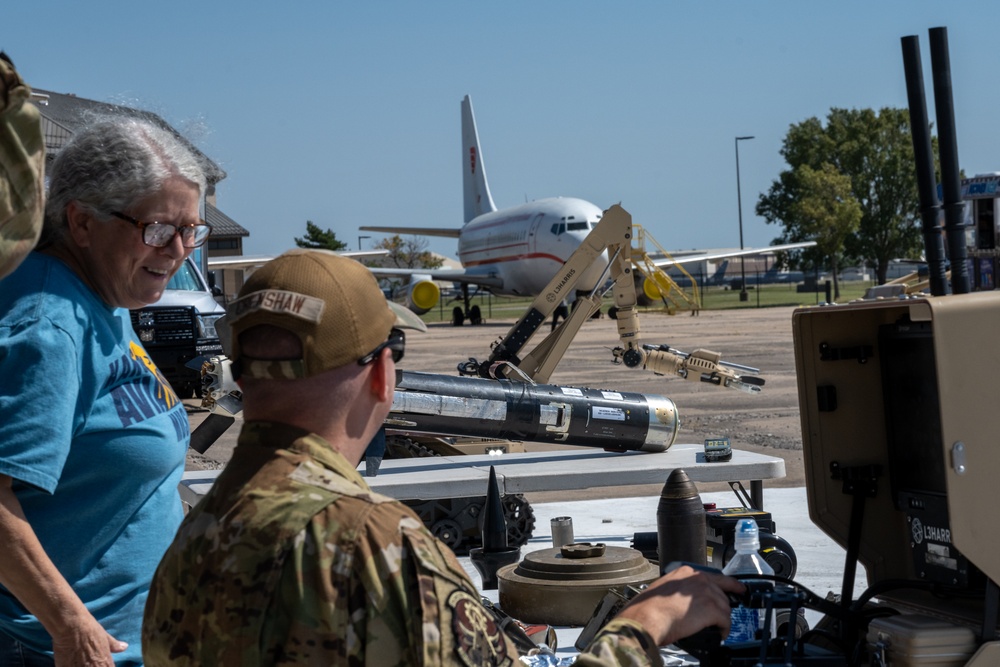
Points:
point(111, 165)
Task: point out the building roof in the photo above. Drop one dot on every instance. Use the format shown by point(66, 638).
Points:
point(222, 224)
point(62, 113)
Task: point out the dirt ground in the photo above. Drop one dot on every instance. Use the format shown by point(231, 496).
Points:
point(767, 422)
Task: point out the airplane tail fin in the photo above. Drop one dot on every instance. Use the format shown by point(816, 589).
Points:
point(720, 273)
point(476, 189)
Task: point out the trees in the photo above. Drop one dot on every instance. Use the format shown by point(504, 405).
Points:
point(874, 151)
point(827, 212)
point(405, 253)
point(408, 253)
point(317, 239)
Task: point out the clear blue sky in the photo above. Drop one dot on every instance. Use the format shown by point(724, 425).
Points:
point(348, 113)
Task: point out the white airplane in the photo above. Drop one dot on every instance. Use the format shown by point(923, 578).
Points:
point(512, 251)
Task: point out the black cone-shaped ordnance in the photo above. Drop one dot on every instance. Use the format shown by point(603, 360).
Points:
point(494, 553)
point(680, 522)
point(494, 524)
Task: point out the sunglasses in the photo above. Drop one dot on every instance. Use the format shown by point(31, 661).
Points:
point(160, 234)
point(396, 343)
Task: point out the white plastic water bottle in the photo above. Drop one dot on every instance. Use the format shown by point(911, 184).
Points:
point(746, 621)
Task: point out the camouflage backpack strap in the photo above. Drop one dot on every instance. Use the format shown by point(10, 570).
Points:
point(22, 169)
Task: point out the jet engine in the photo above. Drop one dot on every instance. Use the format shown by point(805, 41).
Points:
point(422, 294)
point(646, 291)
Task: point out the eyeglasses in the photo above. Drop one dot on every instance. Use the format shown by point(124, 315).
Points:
point(396, 343)
point(160, 234)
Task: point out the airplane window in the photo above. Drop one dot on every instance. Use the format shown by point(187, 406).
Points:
point(558, 228)
point(576, 226)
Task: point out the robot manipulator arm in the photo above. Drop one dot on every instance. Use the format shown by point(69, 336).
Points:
point(614, 234)
point(698, 366)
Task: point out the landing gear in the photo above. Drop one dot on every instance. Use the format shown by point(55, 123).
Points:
point(473, 314)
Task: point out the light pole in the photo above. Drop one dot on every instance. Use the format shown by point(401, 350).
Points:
point(739, 204)
point(359, 241)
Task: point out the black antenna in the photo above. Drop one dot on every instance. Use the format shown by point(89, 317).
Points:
point(920, 128)
point(951, 186)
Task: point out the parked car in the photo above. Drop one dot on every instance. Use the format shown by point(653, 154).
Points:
point(180, 327)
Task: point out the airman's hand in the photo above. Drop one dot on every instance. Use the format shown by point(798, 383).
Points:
point(682, 602)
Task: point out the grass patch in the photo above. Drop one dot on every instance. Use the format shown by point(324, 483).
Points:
point(716, 298)
point(713, 298)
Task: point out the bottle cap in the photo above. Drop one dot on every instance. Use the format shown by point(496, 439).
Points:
point(747, 537)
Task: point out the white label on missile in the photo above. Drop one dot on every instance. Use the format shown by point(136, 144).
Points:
point(612, 396)
point(572, 391)
point(612, 414)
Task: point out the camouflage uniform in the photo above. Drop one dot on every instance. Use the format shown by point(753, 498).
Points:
point(22, 167)
point(292, 559)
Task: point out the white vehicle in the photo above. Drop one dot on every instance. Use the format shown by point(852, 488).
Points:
point(180, 327)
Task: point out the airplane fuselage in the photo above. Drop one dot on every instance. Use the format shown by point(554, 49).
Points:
point(525, 245)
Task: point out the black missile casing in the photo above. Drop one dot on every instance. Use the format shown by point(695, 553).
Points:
point(504, 409)
point(680, 522)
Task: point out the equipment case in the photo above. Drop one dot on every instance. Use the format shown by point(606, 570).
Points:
point(913, 640)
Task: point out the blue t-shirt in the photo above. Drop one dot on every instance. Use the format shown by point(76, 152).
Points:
point(94, 439)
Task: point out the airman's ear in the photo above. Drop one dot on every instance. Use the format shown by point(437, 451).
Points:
point(383, 377)
point(80, 223)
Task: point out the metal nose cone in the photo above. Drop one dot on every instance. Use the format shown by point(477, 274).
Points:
point(680, 522)
point(679, 486)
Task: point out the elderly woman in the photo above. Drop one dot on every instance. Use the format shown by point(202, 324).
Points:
point(92, 438)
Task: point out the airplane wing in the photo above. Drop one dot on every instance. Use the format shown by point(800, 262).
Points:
point(256, 261)
point(448, 275)
point(239, 261)
point(447, 232)
point(732, 253)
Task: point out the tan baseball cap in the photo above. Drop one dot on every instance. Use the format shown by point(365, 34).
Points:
point(332, 303)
